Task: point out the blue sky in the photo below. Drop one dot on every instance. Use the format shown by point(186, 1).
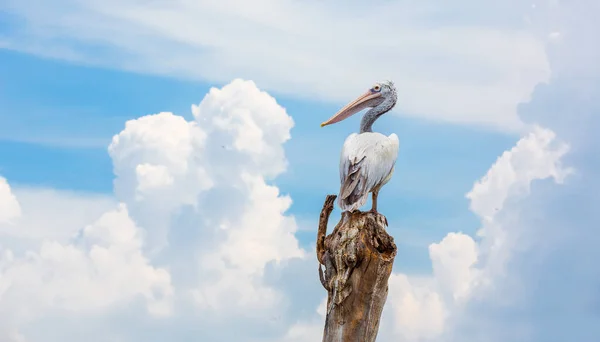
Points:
point(69, 115)
point(71, 112)
point(184, 213)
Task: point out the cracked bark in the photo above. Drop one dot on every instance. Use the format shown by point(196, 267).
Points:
point(358, 257)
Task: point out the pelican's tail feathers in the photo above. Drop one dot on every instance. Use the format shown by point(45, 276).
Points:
point(347, 205)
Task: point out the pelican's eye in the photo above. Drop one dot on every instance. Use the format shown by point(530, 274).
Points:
point(377, 87)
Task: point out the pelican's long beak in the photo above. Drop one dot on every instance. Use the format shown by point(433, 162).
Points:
point(352, 108)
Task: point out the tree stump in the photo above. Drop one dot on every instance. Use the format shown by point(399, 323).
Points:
point(358, 257)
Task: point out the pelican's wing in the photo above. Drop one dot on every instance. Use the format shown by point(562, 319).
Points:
point(366, 161)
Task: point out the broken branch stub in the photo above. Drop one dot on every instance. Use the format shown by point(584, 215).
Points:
point(358, 257)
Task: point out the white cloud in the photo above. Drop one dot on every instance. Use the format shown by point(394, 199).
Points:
point(418, 310)
point(464, 268)
point(157, 170)
point(570, 29)
point(547, 287)
point(153, 150)
point(152, 177)
point(461, 69)
point(248, 121)
point(204, 212)
point(529, 275)
point(164, 163)
point(453, 261)
point(512, 173)
point(467, 269)
point(51, 214)
point(9, 206)
point(103, 267)
point(209, 175)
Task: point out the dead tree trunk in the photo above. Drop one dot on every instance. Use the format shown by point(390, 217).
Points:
point(358, 257)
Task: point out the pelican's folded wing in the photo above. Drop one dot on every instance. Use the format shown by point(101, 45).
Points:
point(366, 161)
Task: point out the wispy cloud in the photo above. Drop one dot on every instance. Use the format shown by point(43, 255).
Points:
point(55, 140)
point(469, 71)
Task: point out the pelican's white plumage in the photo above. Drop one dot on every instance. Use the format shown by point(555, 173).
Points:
point(366, 163)
point(368, 158)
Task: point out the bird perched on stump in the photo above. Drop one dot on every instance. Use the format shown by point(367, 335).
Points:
point(368, 158)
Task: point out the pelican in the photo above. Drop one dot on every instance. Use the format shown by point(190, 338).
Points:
point(368, 158)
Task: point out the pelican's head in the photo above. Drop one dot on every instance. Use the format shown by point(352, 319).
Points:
point(381, 96)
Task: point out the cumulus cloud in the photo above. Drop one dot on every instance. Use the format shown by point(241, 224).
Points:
point(549, 290)
point(50, 214)
point(529, 274)
point(193, 196)
point(477, 66)
point(155, 160)
point(466, 269)
point(177, 177)
point(514, 170)
point(9, 206)
point(210, 174)
point(103, 267)
point(418, 311)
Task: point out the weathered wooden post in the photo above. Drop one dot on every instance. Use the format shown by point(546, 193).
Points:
point(358, 257)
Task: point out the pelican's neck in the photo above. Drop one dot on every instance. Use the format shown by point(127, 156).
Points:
point(366, 124)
